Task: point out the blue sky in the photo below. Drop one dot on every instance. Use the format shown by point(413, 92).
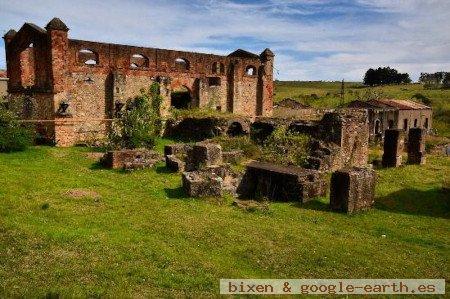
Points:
point(312, 39)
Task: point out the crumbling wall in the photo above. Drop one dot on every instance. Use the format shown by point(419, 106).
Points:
point(94, 78)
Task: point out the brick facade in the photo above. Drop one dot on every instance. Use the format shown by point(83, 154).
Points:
point(47, 68)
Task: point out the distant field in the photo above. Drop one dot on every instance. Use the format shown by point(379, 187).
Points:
point(327, 95)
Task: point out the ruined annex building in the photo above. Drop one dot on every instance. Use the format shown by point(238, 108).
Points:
point(72, 88)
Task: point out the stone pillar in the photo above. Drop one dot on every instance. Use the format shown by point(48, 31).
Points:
point(394, 140)
point(267, 58)
point(59, 47)
point(352, 190)
point(416, 146)
point(12, 61)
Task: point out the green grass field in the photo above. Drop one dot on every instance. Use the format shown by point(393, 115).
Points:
point(328, 96)
point(136, 234)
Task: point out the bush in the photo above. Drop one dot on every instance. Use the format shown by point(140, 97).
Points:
point(244, 143)
point(422, 98)
point(285, 147)
point(13, 136)
point(140, 123)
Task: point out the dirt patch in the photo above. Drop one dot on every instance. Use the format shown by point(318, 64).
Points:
point(82, 193)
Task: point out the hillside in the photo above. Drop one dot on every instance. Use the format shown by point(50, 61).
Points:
point(327, 95)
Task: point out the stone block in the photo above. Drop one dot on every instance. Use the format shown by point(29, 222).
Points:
point(177, 149)
point(352, 190)
point(394, 140)
point(131, 158)
point(200, 184)
point(175, 164)
point(416, 146)
point(281, 183)
point(206, 154)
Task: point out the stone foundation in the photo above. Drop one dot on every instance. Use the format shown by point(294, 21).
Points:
point(281, 183)
point(394, 140)
point(352, 190)
point(131, 159)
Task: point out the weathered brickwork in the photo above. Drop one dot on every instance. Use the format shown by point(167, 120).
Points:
point(394, 141)
point(93, 80)
point(416, 146)
point(352, 190)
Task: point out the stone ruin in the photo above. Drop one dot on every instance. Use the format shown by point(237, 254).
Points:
point(281, 183)
point(77, 87)
point(352, 190)
point(204, 173)
point(340, 139)
point(394, 143)
point(394, 140)
point(416, 146)
point(130, 159)
point(202, 128)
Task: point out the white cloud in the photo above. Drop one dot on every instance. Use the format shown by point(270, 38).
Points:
point(312, 40)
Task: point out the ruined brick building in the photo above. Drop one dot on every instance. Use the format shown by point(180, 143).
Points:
point(394, 114)
point(72, 88)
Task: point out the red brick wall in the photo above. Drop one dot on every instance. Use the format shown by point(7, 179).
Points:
point(55, 66)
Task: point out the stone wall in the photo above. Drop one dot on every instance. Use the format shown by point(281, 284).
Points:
point(93, 78)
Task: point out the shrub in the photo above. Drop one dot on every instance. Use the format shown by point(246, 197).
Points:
point(285, 147)
point(139, 124)
point(244, 143)
point(422, 98)
point(13, 136)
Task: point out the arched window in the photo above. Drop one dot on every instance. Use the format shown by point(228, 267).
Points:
point(415, 123)
point(250, 70)
point(138, 60)
point(182, 64)
point(88, 57)
point(377, 126)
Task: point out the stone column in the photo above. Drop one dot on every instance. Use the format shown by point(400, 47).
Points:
point(394, 140)
point(352, 190)
point(416, 146)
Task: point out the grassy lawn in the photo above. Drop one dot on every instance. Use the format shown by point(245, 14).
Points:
point(328, 96)
point(136, 234)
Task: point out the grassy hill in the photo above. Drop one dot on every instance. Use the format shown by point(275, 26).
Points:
point(327, 95)
point(70, 228)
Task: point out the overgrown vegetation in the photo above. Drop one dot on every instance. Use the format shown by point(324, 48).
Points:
point(244, 143)
point(286, 148)
point(13, 135)
point(140, 121)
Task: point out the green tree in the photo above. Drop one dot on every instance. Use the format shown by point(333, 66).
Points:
point(139, 123)
point(13, 135)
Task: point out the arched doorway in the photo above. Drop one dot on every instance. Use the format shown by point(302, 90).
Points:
point(181, 98)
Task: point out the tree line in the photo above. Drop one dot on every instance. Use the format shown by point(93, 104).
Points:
point(384, 76)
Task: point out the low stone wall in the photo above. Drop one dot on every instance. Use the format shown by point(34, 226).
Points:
point(281, 183)
point(130, 158)
point(199, 129)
